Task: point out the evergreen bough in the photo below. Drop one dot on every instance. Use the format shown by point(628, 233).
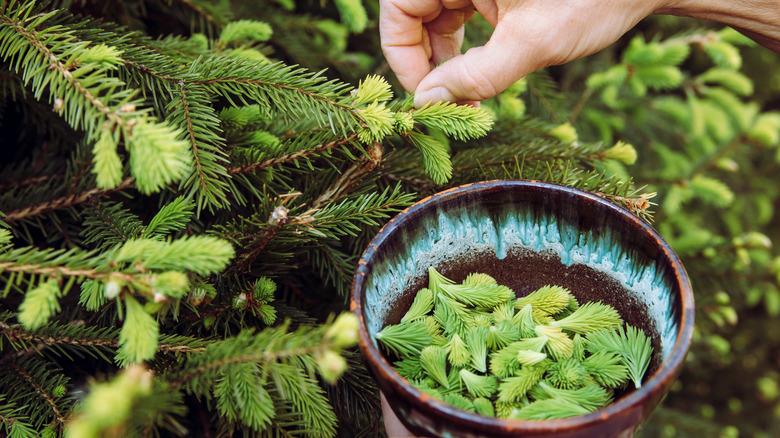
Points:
point(547, 374)
point(266, 142)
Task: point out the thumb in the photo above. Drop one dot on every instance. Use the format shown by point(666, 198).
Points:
point(481, 72)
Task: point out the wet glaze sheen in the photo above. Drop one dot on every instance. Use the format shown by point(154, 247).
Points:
point(526, 234)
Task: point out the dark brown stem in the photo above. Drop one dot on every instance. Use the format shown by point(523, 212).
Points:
point(350, 177)
point(266, 356)
point(199, 11)
point(64, 271)
point(291, 157)
point(15, 333)
point(578, 107)
point(48, 398)
point(64, 202)
point(26, 182)
point(63, 70)
point(191, 136)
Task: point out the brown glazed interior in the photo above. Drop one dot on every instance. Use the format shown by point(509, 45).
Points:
point(524, 270)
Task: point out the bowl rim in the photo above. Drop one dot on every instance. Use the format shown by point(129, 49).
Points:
point(666, 371)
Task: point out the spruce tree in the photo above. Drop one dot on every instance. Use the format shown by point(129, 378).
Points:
point(187, 186)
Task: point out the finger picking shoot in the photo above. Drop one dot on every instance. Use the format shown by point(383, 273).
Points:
point(543, 356)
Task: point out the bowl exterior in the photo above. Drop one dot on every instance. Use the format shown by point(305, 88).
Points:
point(594, 220)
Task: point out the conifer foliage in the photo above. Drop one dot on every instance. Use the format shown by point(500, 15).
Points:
point(187, 186)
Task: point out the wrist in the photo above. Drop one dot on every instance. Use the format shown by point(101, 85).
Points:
point(758, 19)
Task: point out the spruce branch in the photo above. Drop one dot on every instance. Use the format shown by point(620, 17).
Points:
point(71, 263)
point(462, 122)
point(67, 201)
point(293, 157)
point(42, 393)
point(192, 111)
point(36, 39)
point(172, 217)
point(14, 424)
point(13, 185)
point(270, 346)
point(351, 177)
point(107, 224)
point(241, 396)
point(206, 14)
point(88, 339)
point(139, 334)
point(40, 303)
point(347, 217)
point(38, 387)
point(295, 92)
point(75, 74)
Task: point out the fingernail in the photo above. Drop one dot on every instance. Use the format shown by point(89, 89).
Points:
point(432, 95)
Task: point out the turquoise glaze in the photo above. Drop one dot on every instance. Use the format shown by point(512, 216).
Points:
point(526, 234)
point(443, 237)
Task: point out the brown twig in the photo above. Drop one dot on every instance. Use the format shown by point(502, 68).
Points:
point(11, 185)
point(291, 157)
point(16, 333)
point(266, 356)
point(64, 71)
point(64, 202)
point(48, 398)
point(350, 178)
point(191, 136)
point(64, 271)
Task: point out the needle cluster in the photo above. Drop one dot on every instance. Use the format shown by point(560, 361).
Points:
point(542, 356)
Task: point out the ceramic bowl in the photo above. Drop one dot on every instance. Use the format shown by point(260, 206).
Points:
point(526, 234)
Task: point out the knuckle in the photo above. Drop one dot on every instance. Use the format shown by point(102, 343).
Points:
point(476, 83)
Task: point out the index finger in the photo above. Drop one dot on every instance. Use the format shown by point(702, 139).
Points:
point(403, 40)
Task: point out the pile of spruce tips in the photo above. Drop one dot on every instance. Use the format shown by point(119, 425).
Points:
point(477, 347)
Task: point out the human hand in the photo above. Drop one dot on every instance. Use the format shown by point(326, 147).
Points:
point(529, 34)
point(393, 425)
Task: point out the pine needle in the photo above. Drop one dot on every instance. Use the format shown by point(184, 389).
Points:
point(434, 361)
point(457, 352)
point(406, 339)
point(548, 299)
point(483, 406)
point(513, 389)
point(478, 385)
point(590, 317)
point(559, 345)
point(630, 343)
point(549, 409)
point(421, 306)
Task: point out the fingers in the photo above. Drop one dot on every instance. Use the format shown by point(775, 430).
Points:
point(416, 33)
point(403, 40)
point(393, 426)
point(482, 72)
point(528, 35)
point(488, 9)
point(446, 33)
